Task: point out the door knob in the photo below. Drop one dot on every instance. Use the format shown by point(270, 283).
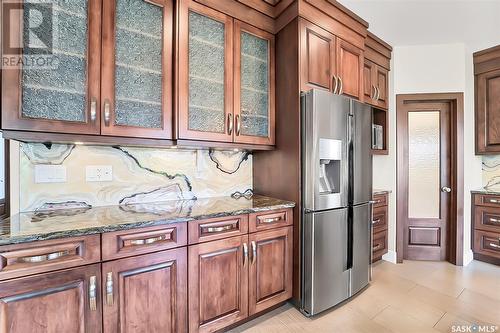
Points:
point(445, 189)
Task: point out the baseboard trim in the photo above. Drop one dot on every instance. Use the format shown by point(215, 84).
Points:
point(390, 256)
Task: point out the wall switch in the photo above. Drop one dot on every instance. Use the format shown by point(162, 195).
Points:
point(99, 173)
point(47, 173)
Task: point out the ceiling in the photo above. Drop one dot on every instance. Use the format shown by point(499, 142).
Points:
point(414, 22)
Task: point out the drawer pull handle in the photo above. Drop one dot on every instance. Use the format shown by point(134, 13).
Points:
point(271, 220)
point(44, 257)
point(493, 200)
point(109, 289)
point(245, 254)
point(375, 221)
point(148, 240)
point(93, 293)
point(376, 247)
point(494, 220)
point(220, 229)
point(254, 252)
point(496, 246)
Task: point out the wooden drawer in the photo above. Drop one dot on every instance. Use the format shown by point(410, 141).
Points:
point(43, 256)
point(379, 221)
point(487, 243)
point(379, 245)
point(488, 200)
point(125, 243)
point(217, 228)
point(380, 200)
point(487, 219)
point(270, 219)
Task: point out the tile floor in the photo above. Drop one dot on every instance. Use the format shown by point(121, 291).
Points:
point(417, 296)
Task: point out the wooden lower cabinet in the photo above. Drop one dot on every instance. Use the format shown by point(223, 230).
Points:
point(486, 227)
point(52, 302)
point(270, 273)
point(146, 293)
point(218, 284)
point(379, 225)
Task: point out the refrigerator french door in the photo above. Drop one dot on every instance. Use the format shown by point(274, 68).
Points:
point(336, 209)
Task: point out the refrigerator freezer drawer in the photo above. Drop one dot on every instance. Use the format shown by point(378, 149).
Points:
point(325, 275)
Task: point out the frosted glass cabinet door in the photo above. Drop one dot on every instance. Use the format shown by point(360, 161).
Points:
point(205, 74)
point(60, 94)
point(136, 88)
point(253, 85)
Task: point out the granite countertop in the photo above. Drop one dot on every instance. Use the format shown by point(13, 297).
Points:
point(379, 191)
point(43, 225)
point(486, 191)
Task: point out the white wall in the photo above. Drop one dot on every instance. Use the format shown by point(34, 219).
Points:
point(431, 69)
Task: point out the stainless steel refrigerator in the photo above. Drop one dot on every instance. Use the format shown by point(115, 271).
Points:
point(336, 199)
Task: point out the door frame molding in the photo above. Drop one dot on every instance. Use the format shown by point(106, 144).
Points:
point(455, 242)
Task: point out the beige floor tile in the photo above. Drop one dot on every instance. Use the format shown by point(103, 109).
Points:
point(398, 321)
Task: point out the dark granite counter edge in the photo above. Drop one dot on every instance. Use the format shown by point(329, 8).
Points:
point(379, 191)
point(133, 225)
point(485, 191)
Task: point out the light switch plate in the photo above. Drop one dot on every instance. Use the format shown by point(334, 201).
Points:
point(99, 173)
point(47, 173)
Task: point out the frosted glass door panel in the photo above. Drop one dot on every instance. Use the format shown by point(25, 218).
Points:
point(254, 85)
point(57, 92)
point(424, 164)
point(138, 64)
point(206, 74)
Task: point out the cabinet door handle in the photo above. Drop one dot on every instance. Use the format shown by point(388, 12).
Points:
point(341, 88)
point(93, 109)
point(377, 93)
point(107, 112)
point(336, 83)
point(238, 124)
point(212, 230)
point(93, 293)
point(373, 91)
point(147, 240)
point(230, 123)
point(375, 221)
point(43, 257)
point(245, 254)
point(254, 252)
point(109, 289)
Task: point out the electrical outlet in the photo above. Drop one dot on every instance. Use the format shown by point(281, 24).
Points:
point(98, 173)
point(47, 173)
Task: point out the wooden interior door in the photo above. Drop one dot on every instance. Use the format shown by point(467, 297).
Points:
point(350, 62)
point(218, 284)
point(254, 100)
point(204, 101)
point(63, 98)
point(146, 293)
point(382, 83)
point(270, 273)
point(136, 92)
point(425, 136)
point(52, 302)
point(369, 73)
point(317, 57)
point(488, 112)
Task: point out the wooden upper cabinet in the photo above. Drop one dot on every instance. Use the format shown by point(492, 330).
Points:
point(382, 84)
point(205, 73)
point(63, 97)
point(218, 284)
point(136, 90)
point(350, 62)
point(376, 85)
point(254, 100)
point(317, 57)
point(270, 273)
point(63, 301)
point(369, 90)
point(487, 100)
point(146, 293)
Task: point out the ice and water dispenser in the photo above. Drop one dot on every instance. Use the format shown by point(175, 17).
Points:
point(330, 171)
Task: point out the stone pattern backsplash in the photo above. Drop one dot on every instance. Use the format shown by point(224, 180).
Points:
point(491, 172)
point(139, 175)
